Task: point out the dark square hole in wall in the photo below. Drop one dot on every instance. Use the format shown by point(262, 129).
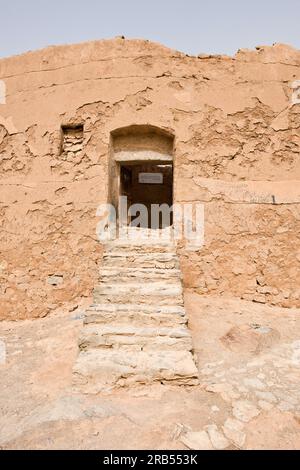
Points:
point(72, 138)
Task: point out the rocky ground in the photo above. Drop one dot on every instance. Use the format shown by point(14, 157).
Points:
point(249, 395)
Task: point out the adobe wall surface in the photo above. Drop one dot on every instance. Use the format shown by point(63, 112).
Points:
point(237, 142)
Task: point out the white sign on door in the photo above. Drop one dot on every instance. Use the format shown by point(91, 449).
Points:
point(151, 178)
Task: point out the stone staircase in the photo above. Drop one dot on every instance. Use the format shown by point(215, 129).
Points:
point(136, 331)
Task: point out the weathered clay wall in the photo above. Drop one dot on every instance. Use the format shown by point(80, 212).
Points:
point(237, 141)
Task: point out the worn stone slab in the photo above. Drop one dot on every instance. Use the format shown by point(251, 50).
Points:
point(137, 315)
point(131, 337)
point(99, 370)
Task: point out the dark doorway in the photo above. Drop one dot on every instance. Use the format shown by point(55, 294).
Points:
point(150, 184)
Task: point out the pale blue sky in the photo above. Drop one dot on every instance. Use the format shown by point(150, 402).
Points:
point(191, 26)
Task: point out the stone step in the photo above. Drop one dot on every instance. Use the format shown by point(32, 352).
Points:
point(124, 274)
point(141, 235)
point(130, 337)
point(137, 315)
point(156, 293)
point(98, 370)
point(137, 288)
point(141, 299)
point(168, 310)
point(144, 246)
point(140, 260)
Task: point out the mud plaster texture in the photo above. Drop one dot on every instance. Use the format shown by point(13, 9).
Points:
point(236, 149)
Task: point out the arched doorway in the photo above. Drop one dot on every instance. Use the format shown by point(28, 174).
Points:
point(142, 172)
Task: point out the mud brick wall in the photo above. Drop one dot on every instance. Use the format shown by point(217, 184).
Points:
point(236, 149)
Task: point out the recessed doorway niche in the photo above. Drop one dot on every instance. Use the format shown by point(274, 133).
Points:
point(141, 168)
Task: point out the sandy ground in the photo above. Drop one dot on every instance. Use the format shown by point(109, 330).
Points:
point(249, 394)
